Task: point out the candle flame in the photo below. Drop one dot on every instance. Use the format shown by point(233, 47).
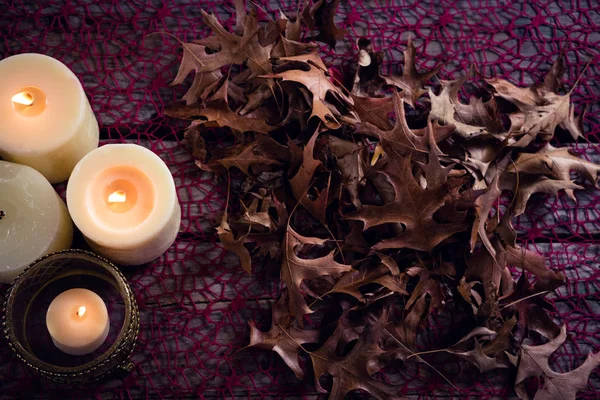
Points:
point(24, 98)
point(81, 311)
point(118, 196)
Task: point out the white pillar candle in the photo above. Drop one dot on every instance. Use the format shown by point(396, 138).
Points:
point(46, 121)
point(122, 197)
point(77, 321)
point(33, 220)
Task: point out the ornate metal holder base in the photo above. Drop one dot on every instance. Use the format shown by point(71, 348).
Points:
point(27, 301)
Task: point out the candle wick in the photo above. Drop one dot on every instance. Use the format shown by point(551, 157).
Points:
point(2, 214)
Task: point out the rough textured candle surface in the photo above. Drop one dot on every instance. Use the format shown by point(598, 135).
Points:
point(33, 220)
point(122, 197)
point(77, 321)
point(46, 119)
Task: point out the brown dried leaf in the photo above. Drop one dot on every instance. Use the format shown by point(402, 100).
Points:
point(443, 107)
point(284, 337)
point(247, 157)
point(295, 270)
point(234, 245)
point(236, 49)
point(574, 124)
point(316, 80)
point(401, 138)
point(411, 82)
point(529, 186)
point(478, 358)
point(374, 111)
point(301, 182)
point(353, 371)
point(534, 362)
point(557, 163)
point(542, 108)
point(413, 207)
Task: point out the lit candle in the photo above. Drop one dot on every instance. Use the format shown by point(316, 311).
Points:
point(122, 197)
point(77, 321)
point(33, 220)
point(46, 121)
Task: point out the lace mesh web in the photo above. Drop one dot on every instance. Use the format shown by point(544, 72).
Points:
point(196, 301)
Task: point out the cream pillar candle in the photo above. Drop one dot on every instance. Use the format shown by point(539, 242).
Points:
point(77, 321)
point(46, 121)
point(122, 197)
point(33, 220)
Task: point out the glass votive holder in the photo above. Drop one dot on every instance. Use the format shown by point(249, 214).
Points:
point(30, 295)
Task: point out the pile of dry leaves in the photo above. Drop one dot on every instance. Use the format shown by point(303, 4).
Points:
point(381, 221)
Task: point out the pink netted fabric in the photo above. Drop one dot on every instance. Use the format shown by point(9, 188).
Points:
point(196, 301)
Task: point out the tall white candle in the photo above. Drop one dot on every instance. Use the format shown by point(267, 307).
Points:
point(46, 121)
point(77, 321)
point(33, 220)
point(122, 197)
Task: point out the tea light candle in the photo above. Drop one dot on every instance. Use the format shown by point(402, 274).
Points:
point(122, 197)
point(77, 321)
point(46, 119)
point(33, 220)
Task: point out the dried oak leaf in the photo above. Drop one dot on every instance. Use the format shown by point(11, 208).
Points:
point(527, 186)
point(405, 331)
point(191, 61)
point(294, 270)
point(484, 204)
point(236, 49)
point(411, 82)
point(301, 182)
point(317, 81)
point(528, 300)
point(227, 238)
point(353, 371)
point(477, 356)
point(444, 107)
point(268, 242)
point(216, 113)
point(534, 362)
point(479, 155)
point(557, 163)
point(401, 138)
point(488, 269)
point(542, 108)
point(351, 282)
point(386, 274)
point(574, 124)
point(321, 15)
point(247, 157)
point(374, 110)
point(413, 207)
point(429, 287)
point(284, 337)
point(350, 160)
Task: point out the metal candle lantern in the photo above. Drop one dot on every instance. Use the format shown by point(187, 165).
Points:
point(27, 301)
